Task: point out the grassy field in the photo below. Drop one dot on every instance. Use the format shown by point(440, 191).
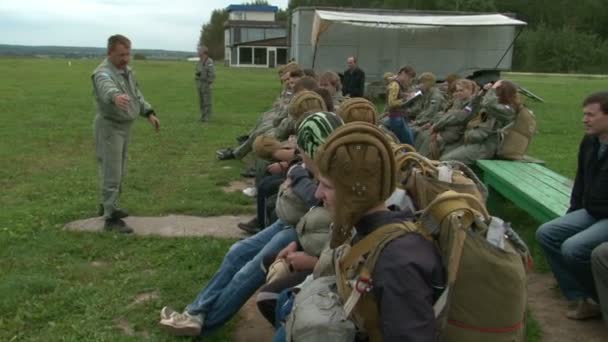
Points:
point(57, 285)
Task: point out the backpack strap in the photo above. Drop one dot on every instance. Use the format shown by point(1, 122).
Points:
point(372, 241)
point(366, 309)
point(443, 206)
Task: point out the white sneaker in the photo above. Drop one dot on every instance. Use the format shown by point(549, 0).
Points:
point(180, 324)
point(251, 191)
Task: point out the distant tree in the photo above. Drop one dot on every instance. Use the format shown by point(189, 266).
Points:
point(212, 34)
point(139, 56)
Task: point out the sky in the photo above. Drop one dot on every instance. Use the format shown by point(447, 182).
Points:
point(150, 24)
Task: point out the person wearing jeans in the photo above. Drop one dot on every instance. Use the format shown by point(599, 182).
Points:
point(599, 264)
point(237, 279)
point(396, 99)
point(569, 240)
point(241, 272)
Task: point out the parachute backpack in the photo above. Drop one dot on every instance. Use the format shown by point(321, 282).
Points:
point(517, 136)
point(425, 179)
point(485, 297)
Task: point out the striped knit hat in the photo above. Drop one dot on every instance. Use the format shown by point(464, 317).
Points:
point(314, 129)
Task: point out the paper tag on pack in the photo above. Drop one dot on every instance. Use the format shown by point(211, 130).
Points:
point(496, 233)
point(445, 173)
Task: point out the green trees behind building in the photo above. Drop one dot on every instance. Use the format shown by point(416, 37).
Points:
point(561, 36)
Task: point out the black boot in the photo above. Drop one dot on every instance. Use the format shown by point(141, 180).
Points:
point(248, 172)
point(225, 154)
point(241, 139)
point(117, 225)
point(251, 227)
point(118, 214)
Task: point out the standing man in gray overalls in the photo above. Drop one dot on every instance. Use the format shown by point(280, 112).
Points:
point(204, 76)
point(119, 102)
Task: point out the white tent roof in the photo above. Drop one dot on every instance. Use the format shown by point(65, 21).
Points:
point(323, 19)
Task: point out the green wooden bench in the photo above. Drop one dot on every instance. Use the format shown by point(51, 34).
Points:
point(539, 191)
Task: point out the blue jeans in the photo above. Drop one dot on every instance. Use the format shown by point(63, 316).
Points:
point(398, 126)
point(240, 275)
point(284, 307)
point(568, 242)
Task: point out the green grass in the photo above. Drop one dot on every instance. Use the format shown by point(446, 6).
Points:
point(58, 285)
point(49, 288)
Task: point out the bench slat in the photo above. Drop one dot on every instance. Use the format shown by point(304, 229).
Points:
point(541, 192)
point(525, 185)
point(541, 174)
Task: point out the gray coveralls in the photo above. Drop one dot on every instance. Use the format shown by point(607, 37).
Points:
point(112, 127)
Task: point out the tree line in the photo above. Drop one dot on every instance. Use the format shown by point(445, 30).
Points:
point(561, 36)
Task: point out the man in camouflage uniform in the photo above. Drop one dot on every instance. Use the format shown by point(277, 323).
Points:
point(204, 76)
point(118, 102)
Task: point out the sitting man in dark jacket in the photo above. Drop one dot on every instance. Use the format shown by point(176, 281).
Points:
point(568, 241)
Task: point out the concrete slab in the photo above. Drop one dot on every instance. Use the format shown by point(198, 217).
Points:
point(172, 225)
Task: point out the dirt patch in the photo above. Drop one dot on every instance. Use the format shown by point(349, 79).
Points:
point(124, 325)
point(144, 297)
point(548, 307)
point(238, 185)
point(252, 325)
point(172, 225)
point(99, 264)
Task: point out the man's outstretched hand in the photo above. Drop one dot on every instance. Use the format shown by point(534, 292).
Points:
point(154, 122)
point(122, 101)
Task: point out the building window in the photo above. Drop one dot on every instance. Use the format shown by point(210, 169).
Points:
point(260, 56)
point(245, 55)
point(281, 56)
point(233, 55)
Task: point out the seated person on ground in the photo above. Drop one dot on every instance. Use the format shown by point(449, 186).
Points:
point(398, 91)
point(280, 155)
point(449, 86)
point(331, 81)
point(408, 271)
point(429, 104)
point(264, 125)
point(499, 106)
point(241, 273)
point(568, 241)
point(301, 257)
point(599, 265)
point(282, 101)
point(445, 131)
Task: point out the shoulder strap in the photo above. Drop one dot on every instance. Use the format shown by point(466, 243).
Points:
point(378, 238)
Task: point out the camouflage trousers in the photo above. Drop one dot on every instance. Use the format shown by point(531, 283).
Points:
point(205, 100)
point(469, 153)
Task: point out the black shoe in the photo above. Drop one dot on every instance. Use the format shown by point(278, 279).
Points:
point(117, 225)
point(248, 173)
point(251, 227)
point(225, 154)
point(119, 214)
point(241, 139)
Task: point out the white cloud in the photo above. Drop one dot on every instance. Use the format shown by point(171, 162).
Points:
point(151, 24)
